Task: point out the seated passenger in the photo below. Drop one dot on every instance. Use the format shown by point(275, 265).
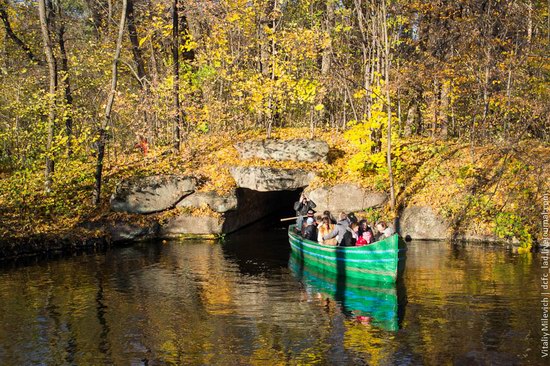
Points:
point(339, 229)
point(318, 221)
point(384, 230)
point(363, 225)
point(350, 237)
point(325, 228)
point(352, 218)
point(365, 238)
point(310, 230)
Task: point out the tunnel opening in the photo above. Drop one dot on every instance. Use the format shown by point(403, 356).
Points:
point(269, 207)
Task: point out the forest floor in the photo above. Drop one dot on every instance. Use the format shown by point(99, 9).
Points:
point(493, 189)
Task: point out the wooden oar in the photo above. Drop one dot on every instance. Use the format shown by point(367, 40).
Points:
point(289, 218)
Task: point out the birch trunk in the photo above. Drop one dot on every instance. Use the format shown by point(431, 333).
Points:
point(176, 75)
point(388, 102)
point(102, 140)
point(52, 69)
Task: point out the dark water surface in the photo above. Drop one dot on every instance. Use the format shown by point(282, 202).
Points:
point(240, 303)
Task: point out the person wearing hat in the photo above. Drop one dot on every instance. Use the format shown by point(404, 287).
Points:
point(302, 208)
point(310, 230)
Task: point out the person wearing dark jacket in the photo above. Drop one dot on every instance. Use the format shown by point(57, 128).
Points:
point(302, 207)
point(352, 218)
point(310, 230)
point(339, 229)
point(350, 236)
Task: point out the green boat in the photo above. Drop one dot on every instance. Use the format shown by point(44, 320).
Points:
point(382, 261)
point(381, 303)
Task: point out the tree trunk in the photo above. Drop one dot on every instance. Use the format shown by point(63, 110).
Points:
point(108, 108)
point(326, 60)
point(435, 106)
point(388, 102)
point(66, 82)
point(529, 22)
point(50, 58)
point(311, 123)
point(409, 122)
point(444, 107)
point(176, 75)
point(327, 51)
point(140, 64)
point(11, 34)
point(134, 40)
point(485, 103)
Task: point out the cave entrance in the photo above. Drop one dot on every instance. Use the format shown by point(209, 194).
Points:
point(253, 206)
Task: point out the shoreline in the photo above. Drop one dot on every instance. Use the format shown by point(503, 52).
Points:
point(46, 245)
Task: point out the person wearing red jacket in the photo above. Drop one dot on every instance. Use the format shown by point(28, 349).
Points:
point(366, 238)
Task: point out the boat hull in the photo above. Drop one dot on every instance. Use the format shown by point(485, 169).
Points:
point(382, 261)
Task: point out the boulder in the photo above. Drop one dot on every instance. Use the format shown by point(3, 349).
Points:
point(151, 194)
point(127, 231)
point(213, 200)
point(346, 197)
point(422, 222)
point(186, 225)
point(295, 150)
point(266, 179)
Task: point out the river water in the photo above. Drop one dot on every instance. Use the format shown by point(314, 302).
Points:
point(241, 302)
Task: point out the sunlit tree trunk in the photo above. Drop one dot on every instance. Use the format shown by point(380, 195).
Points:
point(388, 102)
point(108, 108)
point(327, 50)
point(326, 63)
point(176, 75)
point(52, 69)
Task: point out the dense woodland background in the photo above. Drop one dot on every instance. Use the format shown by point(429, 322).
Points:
point(466, 71)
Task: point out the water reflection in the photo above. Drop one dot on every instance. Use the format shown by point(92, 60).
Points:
point(198, 303)
point(367, 302)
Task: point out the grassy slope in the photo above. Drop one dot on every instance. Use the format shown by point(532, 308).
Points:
point(487, 189)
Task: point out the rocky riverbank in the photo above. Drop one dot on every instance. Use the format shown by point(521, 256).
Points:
point(213, 190)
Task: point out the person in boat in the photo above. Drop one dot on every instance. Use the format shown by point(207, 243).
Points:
point(365, 238)
point(363, 226)
point(318, 221)
point(310, 214)
point(329, 215)
point(339, 229)
point(352, 218)
point(325, 227)
point(350, 237)
point(384, 230)
point(302, 207)
point(310, 230)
